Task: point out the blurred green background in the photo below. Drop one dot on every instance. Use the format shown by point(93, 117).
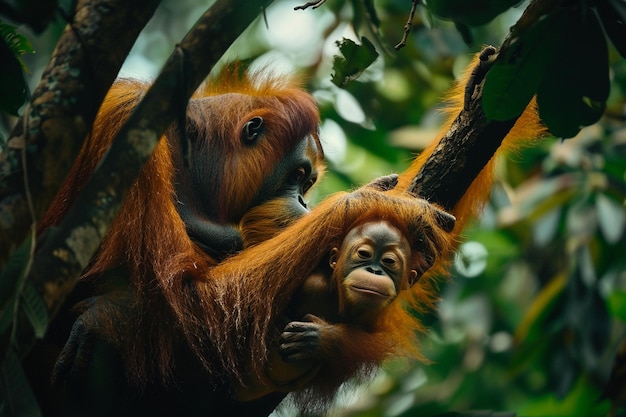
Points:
point(535, 308)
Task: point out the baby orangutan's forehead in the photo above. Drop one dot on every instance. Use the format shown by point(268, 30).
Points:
point(382, 233)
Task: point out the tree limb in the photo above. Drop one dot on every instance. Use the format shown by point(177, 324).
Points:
point(465, 149)
point(83, 66)
point(472, 139)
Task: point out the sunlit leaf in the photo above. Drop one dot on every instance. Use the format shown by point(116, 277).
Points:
point(581, 397)
point(546, 227)
point(348, 107)
point(540, 307)
point(471, 259)
point(546, 196)
point(611, 218)
point(354, 60)
point(582, 219)
point(17, 43)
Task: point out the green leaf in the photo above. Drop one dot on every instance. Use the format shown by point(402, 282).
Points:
point(471, 13)
point(578, 402)
point(611, 218)
point(616, 303)
point(481, 413)
point(530, 328)
point(16, 396)
point(371, 12)
point(612, 13)
point(355, 59)
point(513, 80)
point(35, 309)
point(574, 91)
point(465, 32)
point(18, 43)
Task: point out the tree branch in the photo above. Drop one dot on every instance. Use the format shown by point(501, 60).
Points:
point(465, 149)
point(64, 104)
point(472, 139)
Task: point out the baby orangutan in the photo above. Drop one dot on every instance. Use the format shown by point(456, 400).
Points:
point(346, 295)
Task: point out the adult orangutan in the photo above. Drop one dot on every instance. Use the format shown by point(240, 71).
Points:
point(248, 142)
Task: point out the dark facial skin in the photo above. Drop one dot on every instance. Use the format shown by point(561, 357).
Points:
point(293, 177)
point(374, 258)
point(210, 223)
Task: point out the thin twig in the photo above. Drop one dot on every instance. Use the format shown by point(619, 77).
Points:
point(31, 251)
point(311, 4)
point(407, 26)
point(27, 191)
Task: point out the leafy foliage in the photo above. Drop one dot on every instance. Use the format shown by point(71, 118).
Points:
point(546, 61)
point(613, 16)
point(536, 329)
point(355, 59)
point(13, 89)
point(515, 78)
point(472, 13)
point(573, 92)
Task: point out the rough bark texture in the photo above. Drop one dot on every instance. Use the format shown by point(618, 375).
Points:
point(461, 155)
point(64, 104)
